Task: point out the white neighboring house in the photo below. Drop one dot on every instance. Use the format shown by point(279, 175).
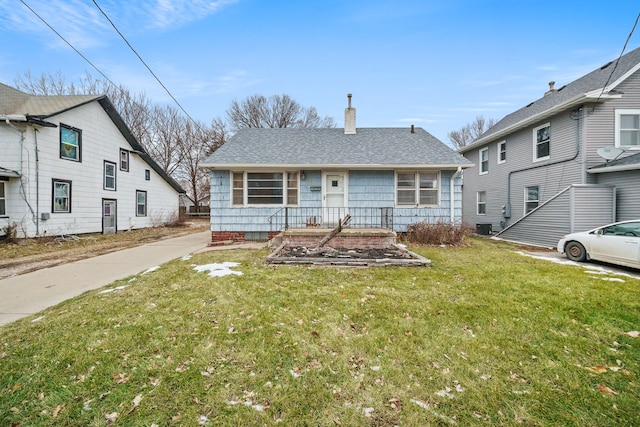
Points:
point(70, 165)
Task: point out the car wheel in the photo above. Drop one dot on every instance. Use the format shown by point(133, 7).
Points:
point(575, 251)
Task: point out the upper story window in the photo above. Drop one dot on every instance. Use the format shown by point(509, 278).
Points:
point(502, 152)
point(3, 200)
point(531, 198)
point(628, 129)
point(484, 160)
point(541, 142)
point(481, 202)
point(109, 176)
point(70, 143)
point(417, 188)
point(124, 160)
point(147, 175)
point(264, 188)
point(61, 196)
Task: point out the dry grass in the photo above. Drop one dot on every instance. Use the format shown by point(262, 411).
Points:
point(484, 337)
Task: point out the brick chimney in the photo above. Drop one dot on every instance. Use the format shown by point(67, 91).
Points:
point(349, 119)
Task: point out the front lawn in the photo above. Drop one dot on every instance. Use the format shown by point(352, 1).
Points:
point(485, 336)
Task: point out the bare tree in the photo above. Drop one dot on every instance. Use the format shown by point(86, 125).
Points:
point(470, 132)
point(277, 111)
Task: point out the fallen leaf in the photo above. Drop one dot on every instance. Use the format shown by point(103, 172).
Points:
point(136, 403)
point(632, 334)
point(606, 390)
point(56, 410)
point(121, 378)
point(598, 369)
point(111, 418)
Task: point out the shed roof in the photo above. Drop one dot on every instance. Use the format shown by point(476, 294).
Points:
point(379, 148)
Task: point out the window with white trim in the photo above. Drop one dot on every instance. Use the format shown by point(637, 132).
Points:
point(3, 200)
point(502, 152)
point(541, 142)
point(70, 143)
point(141, 203)
point(264, 188)
point(531, 198)
point(109, 176)
point(627, 128)
point(124, 160)
point(417, 188)
point(484, 160)
point(61, 196)
point(481, 202)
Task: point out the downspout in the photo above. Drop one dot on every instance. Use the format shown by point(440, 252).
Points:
point(37, 219)
point(507, 207)
point(452, 193)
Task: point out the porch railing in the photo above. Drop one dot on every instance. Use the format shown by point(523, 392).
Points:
point(294, 217)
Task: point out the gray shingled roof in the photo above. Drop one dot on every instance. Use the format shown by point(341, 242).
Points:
point(626, 163)
point(568, 95)
point(382, 148)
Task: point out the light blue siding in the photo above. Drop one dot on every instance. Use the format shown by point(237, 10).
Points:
point(371, 189)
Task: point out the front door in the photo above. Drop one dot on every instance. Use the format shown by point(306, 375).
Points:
point(334, 199)
point(109, 217)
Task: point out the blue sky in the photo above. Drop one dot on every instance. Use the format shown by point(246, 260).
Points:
point(435, 64)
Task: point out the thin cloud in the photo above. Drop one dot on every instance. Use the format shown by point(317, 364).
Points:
point(176, 13)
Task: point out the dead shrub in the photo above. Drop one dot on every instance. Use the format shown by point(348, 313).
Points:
point(10, 233)
point(439, 233)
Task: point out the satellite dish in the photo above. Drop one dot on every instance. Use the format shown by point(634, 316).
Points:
point(609, 153)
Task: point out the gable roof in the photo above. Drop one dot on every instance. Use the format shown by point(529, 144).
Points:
point(379, 148)
point(21, 106)
point(590, 87)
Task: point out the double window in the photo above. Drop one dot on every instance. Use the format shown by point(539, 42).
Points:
point(484, 160)
point(3, 200)
point(70, 143)
point(61, 196)
point(541, 142)
point(417, 188)
point(141, 203)
point(627, 128)
point(109, 182)
point(481, 202)
point(531, 198)
point(264, 188)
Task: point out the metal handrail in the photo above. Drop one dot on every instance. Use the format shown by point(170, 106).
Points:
point(298, 217)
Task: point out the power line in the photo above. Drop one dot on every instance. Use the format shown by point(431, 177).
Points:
point(68, 43)
point(143, 62)
point(618, 60)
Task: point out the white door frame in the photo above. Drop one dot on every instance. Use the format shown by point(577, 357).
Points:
point(331, 217)
point(114, 205)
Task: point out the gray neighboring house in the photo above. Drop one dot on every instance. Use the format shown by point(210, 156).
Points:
point(266, 180)
point(566, 162)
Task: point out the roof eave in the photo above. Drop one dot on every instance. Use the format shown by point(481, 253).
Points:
point(577, 100)
point(619, 168)
point(283, 166)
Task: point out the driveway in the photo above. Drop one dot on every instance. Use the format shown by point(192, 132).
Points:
point(593, 267)
point(27, 294)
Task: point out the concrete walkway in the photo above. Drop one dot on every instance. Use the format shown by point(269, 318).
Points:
point(27, 294)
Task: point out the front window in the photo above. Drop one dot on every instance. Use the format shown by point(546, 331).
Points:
point(417, 188)
point(70, 143)
point(531, 198)
point(541, 142)
point(124, 160)
point(264, 188)
point(484, 161)
point(141, 203)
point(3, 200)
point(627, 128)
point(481, 198)
point(502, 152)
point(61, 196)
point(109, 176)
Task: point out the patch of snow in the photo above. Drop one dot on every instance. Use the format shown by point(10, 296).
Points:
point(150, 270)
point(37, 319)
point(186, 258)
point(117, 288)
point(613, 279)
point(218, 270)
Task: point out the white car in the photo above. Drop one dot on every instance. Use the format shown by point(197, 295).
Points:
point(617, 243)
